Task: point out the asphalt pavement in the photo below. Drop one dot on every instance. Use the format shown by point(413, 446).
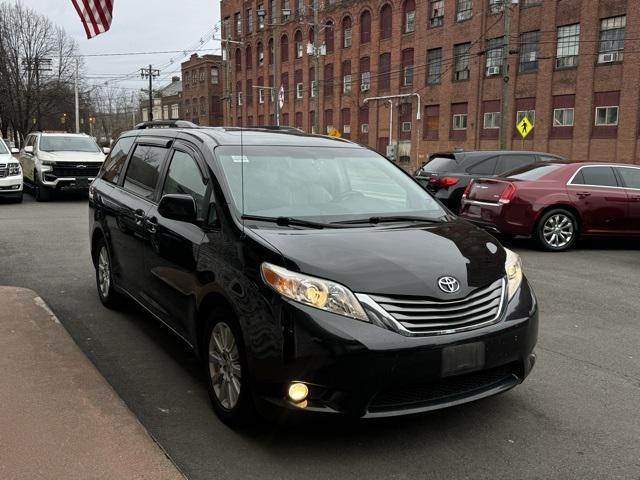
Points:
point(576, 416)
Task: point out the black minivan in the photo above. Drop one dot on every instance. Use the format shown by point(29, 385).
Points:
point(308, 273)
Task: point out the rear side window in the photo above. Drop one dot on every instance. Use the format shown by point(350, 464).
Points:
point(184, 177)
point(600, 176)
point(630, 177)
point(144, 169)
point(112, 166)
point(440, 165)
point(511, 162)
point(485, 167)
point(533, 172)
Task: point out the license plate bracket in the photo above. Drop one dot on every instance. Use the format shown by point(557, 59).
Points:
point(82, 183)
point(465, 358)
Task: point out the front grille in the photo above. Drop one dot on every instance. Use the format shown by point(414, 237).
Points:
point(75, 170)
point(424, 315)
point(444, 390)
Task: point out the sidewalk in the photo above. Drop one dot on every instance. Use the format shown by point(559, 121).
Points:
point(59, 419)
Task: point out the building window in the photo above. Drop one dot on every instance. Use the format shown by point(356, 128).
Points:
point(529, 51)
point(496, 6)
point(270, 45)
point(568, 46)
point(328, 36)
point(328, 79)
point(364, 128)
point(406, 126)
point(460, 121)
point(195, 111)
point(328, 120)
point(407, 67)
point(215, 75)
point(434, 66)
point(530, 114)
point(248, 57)
point(491, 120)
point(298, 120)
point(260, 55)
point(299, 90)
point(299, 8)
point(238, 19)
point(365, 27)
point(284, 48)
point(494, 56)
point(298, 42)
point(249, 91)
point(165, 112)
point(285, 6)
point(250, 19)
point(431, 122)
point(238, 62)
point(297, 80)
point(175, 111)
point(461, 61)
point(436, 13)
point(226, 27)
point(365, 74)
point(345, 115)
point(260, 95)
point(346, 32)
point(346, 77)
point(611, 39)
point(464, 10)
point(386, 21)
point(563, 117)
point(202, 77)
point(606, 116)
point(384, 69)
point(409, 16)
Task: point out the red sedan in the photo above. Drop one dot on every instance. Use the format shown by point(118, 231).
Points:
point(558, 203)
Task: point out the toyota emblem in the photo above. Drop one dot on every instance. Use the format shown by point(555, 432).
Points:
point(448, 284)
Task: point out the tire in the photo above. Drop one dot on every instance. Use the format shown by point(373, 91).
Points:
point(40, 192)
point(225, 365)
point(557, 230)
point(109, 297)
point(18, 199)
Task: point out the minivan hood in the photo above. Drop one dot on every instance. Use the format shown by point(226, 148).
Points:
point(71, 156)
point(394, 260)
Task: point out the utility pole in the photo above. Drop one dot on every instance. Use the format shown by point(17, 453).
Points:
point(504, 104)
point(227, 77)
point(150, 73)
point(316, 65)
point(275, 90)
point(77, 98)
point(40, 65)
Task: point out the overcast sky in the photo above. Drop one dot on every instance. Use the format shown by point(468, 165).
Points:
point(138, 26)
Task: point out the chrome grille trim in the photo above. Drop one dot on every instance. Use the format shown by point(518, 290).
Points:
point(417, 316)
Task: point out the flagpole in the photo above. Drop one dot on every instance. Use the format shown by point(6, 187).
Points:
point(77, 100)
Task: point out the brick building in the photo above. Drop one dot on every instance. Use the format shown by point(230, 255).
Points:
point(171, 100)
point(202, 90)
point(573, 67)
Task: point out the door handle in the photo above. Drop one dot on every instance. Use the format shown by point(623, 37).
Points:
point(583, 194)
point(151, 224)
point(635, 199)
point(139, 216)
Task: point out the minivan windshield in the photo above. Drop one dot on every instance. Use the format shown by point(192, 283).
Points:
point(321, 183)
point(61, 143)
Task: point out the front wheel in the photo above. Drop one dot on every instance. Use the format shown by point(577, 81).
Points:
point(557, 230)
point(104, 277)
point(227, 376)
point(41, 193)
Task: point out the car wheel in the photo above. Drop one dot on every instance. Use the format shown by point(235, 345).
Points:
point(227, 377)
point(41, 193)
point(557, 230)
point(104, 277)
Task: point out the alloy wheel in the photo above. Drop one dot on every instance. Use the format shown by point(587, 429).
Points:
point(104, 272)
point(224, 366)
point(558, 230)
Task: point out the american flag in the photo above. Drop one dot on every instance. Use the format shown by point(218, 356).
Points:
point(95, 15)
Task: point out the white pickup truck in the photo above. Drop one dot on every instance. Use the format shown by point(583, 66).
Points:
point(10, 174)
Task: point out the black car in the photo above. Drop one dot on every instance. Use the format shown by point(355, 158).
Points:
point(447, 174)
point(308, 273)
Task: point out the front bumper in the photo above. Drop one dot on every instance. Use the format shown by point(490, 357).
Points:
point(363, 370)
point(66, 183)
point(11, 186)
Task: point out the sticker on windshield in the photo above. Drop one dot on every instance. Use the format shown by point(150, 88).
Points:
point(239, 159)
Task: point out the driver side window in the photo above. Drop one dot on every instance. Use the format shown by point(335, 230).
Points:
point(184, 177)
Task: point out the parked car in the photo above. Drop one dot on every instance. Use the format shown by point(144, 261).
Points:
point(10, 174)
point(60, 161)
point(558, 203)
point(447, 174)
point(308, 273)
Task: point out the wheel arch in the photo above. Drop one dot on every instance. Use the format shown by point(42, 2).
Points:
point(562, 205)
point(210, 301)
point(98, 235)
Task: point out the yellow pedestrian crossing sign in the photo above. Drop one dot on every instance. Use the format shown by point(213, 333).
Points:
point(524, 126)
point(334, 132)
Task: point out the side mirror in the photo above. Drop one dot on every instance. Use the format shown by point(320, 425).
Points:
point(106, 150)
point(15, 151)
point(178, 207)
point(28, 149)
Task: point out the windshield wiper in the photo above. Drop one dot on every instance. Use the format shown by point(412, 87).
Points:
point(289, 221)
point(394, 218)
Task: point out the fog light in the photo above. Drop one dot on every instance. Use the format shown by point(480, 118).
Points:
point(298, 392)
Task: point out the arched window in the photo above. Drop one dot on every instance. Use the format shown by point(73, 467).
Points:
point(328, 36)
point(248, 57)
point(311, 35)
point(238, 60)
point(407, 67)
point(215, 75)
point(346, 32)
point(260, 55)
point(284, 48)
point(271, 51)
point(298, 44)
point(386, 21)
point(409, 16)
point(365, 27)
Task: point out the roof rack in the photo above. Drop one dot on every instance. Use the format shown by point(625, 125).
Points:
point(281, 128)
point(166, 124)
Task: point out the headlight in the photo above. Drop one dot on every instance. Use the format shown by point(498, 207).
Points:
point(14, 169)
point(315, 292)
point(513, 269)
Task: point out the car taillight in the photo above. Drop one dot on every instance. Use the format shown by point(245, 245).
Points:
point(443, 182)
point(507, 194)
point(467, 189)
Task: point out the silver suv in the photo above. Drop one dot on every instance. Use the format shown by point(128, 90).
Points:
point(60, 161)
